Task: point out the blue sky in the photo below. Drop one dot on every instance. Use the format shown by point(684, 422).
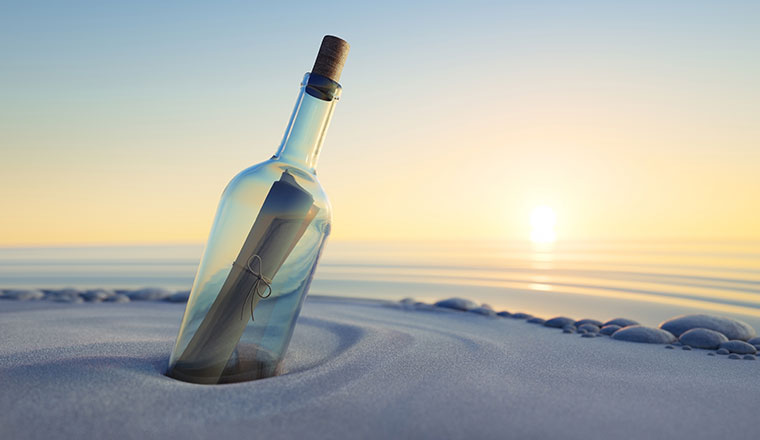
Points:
point(142, 111)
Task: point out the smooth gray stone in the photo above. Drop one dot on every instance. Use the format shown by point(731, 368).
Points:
point(457, 304)
point(149, 294)
point(703, 338)
point(184, 295)
point(591, 328)
point(622, 322)
point(739, 347)
point(424, 306)
point(571, 328)
point(64, 291)
point(582, 331)
point(648, 335)
point(722, 351)
point(118, 298)
point(609, 329)
point(560, 322)
point(748, 357)
point(504, 314)
point(404, 304)
point(67, 298)
point(536, 320)
point(23, 294)
point(485, 311)
point(567, 330)
point(62, 295)
point(521, 315)
point(754, 341)
point(734, 356)
point(711, 354)
point(588, 335)
point(686, 347)
point(670, 347)
point(580, 322)
point(67, 295)
point(97, 295)
point(731, 328)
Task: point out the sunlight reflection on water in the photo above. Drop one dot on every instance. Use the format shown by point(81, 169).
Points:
point(648, 281)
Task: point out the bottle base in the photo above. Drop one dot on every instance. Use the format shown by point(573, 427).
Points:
point(246, 364)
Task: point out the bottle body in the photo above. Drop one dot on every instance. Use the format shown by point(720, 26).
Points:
point(246, 337)
point(260, 257)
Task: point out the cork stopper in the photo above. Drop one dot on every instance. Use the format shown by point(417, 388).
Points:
point(332, 55)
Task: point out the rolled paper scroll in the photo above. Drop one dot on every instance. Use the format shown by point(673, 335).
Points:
point(287, 211)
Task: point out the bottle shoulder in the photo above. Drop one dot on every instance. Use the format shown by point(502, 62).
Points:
point(250, 183)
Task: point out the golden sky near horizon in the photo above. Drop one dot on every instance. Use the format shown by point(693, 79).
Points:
point(642, 124)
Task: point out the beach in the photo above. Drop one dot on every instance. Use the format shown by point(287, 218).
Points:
point(360, 368)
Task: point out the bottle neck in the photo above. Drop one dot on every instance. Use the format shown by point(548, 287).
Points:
point(308, 124)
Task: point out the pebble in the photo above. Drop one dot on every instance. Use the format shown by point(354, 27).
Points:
point(649, 335)
point(587, 321)
point(66, 297)
point(118, 298)
point(483, 310)
point(521, 316)
point(65, 291)
point(731, 328)
point(609, 329)
point(722, 351)
point(560, 322)
point(567, 330)
point(536, 321)
point(23, 294)
point(588, 335)
point(622, 322)
point(69, 295)
point(404, 304)
point(457, 304)
point(504, 314)
point(183, 296)
point(149, 294)
point(670, 347)
point(97, 295)
point(591, 328)
point(686, 347)
point(423, 306)
point(711, 354)
point(749, 357)
point(734, 356)
point(739, 347)
point(703, 338)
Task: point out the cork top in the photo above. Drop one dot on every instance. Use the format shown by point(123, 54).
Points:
point(332, 55)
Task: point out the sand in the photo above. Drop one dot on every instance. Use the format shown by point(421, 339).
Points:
point(362, 369)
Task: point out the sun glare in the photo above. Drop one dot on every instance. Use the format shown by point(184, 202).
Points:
point(542, 221)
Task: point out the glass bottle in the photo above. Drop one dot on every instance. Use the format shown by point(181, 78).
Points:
point(267, 236)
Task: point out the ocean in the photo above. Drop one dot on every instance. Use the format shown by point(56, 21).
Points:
point(644, 280)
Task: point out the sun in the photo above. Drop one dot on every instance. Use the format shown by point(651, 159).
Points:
point(542, 221)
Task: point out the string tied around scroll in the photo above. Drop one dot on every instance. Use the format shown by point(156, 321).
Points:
point(261, 287)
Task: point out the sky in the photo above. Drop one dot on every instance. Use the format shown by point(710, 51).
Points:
point(121, 122)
